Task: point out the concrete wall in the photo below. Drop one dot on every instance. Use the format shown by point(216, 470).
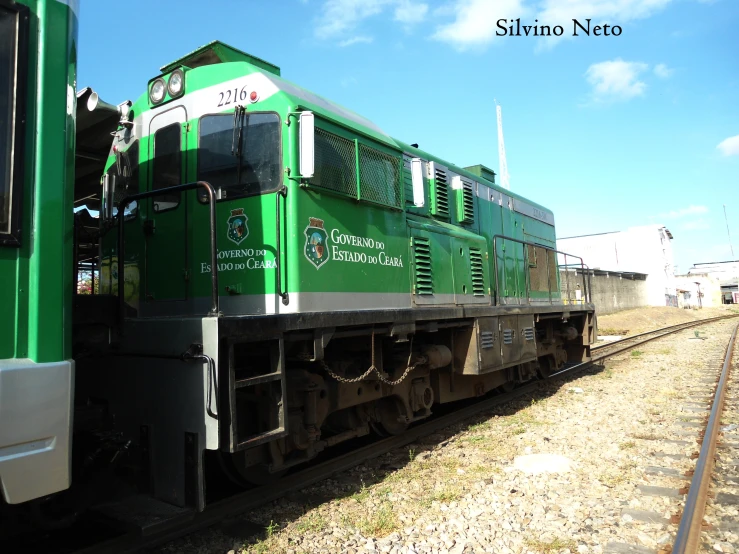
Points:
point(646, 249)
point(610, 292)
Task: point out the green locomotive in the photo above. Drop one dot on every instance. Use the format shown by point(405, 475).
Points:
point(277, 275)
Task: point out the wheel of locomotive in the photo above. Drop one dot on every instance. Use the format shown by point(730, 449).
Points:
point(547, 366)
point(392, 417)
point(235, 468)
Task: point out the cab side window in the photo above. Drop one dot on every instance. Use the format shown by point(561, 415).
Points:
point(167, 171)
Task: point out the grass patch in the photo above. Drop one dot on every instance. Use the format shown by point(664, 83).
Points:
point(380, 522)
point(264, 546)
point(626, 445)
point(549, 547)
point(474, 439)
point(481, 426)
point(447, 494)
point(312, 522)
point(636, 353)
point(362, 494)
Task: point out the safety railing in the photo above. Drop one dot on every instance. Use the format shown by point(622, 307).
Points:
point(585, 296)
point(570, 295)
point(214, 309)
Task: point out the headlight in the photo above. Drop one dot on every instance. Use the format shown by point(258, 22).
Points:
point(156, 94)
point(176, 82)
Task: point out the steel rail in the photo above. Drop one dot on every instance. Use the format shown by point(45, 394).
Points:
point(191, 522)
point(686, 324)
point(689, 531)
point(670, 330)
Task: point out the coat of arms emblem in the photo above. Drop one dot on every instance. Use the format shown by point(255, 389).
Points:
point(316, 242)
point(237, 229)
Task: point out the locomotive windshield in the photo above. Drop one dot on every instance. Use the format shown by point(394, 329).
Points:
point(252, 166)
point(8, 54)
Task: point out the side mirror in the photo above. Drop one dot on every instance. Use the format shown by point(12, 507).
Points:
point(307, 144)
point(417, 181)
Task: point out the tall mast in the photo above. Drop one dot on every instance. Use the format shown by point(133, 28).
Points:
point(727, 232)
point(503, 165)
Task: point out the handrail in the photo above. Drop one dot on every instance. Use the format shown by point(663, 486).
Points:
point(582, 265)
point(213, 247)
point(282, 192)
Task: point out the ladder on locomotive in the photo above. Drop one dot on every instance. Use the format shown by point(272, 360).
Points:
point(257, 397)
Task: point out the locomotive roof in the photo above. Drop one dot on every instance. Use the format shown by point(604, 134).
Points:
point(232, 63)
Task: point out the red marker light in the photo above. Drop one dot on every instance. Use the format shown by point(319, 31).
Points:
point(253, 96)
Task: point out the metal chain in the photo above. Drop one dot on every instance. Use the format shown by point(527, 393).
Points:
point(373, 369)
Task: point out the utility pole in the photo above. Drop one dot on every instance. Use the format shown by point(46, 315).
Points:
point(728, 233)
point(503, 165)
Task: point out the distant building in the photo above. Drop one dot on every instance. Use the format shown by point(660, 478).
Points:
point(727, 274)
point(698, 290)
point(646, 249)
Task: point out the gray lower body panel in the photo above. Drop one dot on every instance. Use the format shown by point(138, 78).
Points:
point(36, 402)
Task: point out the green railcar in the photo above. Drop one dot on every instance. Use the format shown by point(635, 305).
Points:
point(38, 58)
point(273, 274)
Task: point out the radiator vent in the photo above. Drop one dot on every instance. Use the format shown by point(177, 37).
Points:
point(528, 333)
point(487, 339)
point(467, 207)
point(478, 276)
point(508, 335)
point(422, 266)
point(441, 192)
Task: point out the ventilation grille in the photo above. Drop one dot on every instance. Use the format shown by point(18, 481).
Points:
point(335, 167)
point(441, 193)
point(528, 333)
point(478, 277)
point(508, 335)
point(379, 180)
point(467, 208)
point(487, 339)
point(422, 264)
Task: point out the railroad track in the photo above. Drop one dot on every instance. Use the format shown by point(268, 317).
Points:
point(688, 536)
point(159, 532)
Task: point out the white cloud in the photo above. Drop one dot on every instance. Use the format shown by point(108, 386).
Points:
point(662, 71)
point(410, 13)
point(616, 80)
point(562, 12)
point(682, 212)
point(341, 16)
point(355, 40)
point(729, 146)
point(475, 21)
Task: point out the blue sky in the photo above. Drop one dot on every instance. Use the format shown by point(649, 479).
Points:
point(608, 132)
